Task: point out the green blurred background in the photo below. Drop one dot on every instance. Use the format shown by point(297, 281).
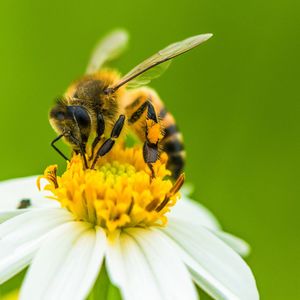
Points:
point(236, 99)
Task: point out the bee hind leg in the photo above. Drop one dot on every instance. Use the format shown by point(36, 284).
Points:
point(153, 132)
point(151, 155)
point(108, 144)
point(142, 115)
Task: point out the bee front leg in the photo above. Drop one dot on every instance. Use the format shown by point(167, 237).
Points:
point(81, 149)
point(100, 132)
point(108, 144)
point(56, 149)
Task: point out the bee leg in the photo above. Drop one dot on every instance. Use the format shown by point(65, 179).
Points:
point(100, 131)
point(108, 144)
point(80, 145)
point(150, 154)
point(81, 149)
point(151, 125)
point(82, 152)
point(153, 132)
point(56, 149)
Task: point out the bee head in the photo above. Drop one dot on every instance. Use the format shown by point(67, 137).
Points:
point(71, 121)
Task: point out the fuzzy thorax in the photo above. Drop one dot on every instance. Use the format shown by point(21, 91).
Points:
point(118, 193)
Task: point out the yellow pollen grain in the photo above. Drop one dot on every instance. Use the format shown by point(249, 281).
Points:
point(154, 131)
point(118, 193)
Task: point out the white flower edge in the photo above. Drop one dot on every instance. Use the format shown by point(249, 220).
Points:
point(22, 235)
point(195, 214)
point(143, 263)
point(219, 270)
point(70, 260)
point(12, 191)
point(190, 244)
point(145, 266)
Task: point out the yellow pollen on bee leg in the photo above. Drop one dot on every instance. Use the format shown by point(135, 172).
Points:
point(154, 131)
point(118, 193)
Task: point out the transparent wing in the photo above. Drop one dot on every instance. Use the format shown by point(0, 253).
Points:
point(147, 67)
point(147, 76)
point(108, 49)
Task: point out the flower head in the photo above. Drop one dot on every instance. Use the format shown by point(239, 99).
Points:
point(152, 241)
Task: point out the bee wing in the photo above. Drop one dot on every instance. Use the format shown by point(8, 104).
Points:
point(149, 75)
point(108, 49)
point(145, 71)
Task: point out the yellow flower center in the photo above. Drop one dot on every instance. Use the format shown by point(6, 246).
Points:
point(119, 192)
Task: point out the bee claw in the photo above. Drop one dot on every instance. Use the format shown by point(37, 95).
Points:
point(152, 171)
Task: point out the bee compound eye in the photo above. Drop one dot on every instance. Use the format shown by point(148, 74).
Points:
point(80, 115)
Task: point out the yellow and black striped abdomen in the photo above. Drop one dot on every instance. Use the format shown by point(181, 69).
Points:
point(172, 143)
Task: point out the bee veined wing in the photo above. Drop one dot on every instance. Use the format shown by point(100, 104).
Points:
point(107, 49)
point(155, 65)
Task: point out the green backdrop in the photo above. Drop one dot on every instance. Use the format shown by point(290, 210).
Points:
point(236, 100)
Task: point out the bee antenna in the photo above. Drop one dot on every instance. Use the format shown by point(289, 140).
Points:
point(109, 90)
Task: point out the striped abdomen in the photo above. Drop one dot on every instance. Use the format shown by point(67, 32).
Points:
point(172, 143)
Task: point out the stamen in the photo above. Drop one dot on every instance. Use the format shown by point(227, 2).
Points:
point(50, 175)
point(175, 188)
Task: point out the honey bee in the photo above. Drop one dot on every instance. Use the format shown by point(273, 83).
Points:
point(102, 106)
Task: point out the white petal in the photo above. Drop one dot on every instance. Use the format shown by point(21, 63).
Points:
point(10, 213)
point(67, 264)
point(143, 265)
point(187, 189)
point(21, 236)
point(215, 266)
point(14, 190)
point(193, 213)
point(237, 244)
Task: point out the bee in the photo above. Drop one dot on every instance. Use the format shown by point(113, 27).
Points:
point(99, 108)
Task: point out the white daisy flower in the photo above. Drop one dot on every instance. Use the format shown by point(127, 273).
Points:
point(118, 217)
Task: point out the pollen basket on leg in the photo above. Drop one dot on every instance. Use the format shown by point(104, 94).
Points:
point(119, 192)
